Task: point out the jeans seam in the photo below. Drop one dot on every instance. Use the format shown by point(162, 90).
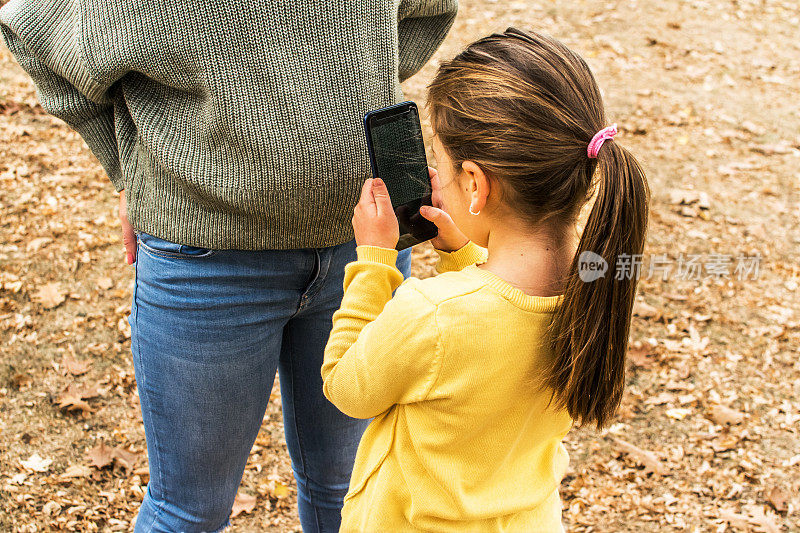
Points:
point(159, 505)
point(294, 411)
point(299, 438)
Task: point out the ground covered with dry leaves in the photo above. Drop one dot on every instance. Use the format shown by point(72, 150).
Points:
point(707, 438)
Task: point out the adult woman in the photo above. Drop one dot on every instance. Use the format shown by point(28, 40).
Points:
point(233, 131)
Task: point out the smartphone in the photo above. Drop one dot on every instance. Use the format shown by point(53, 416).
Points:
point(397, 156)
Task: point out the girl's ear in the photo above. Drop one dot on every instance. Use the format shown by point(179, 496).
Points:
point(474, 175)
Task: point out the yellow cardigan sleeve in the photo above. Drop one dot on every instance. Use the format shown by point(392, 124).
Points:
point(382, 350)
point(456, 260)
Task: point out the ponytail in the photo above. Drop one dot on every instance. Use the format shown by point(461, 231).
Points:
point(590, 330)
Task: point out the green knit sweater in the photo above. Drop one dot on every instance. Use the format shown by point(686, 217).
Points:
point(228, 124)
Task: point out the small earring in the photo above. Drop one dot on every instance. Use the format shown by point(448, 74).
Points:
point(470, 211)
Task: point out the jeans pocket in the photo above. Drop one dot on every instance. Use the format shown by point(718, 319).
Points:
point(163, 248)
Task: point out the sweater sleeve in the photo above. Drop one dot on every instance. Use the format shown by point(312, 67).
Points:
point(422, 27)
point(45, 39)
point(456, 260)
point(381, 351)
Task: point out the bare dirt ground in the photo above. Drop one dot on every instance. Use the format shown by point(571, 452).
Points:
point(708, 436)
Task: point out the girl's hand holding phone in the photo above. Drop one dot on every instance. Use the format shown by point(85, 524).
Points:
point(374, 221)
point(450, 238)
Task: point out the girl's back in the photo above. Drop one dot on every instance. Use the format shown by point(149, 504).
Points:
point(482, 451)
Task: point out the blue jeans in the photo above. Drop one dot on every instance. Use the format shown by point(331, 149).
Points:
point(209, 329)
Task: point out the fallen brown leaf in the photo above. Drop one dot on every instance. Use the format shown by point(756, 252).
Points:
point(37, 463)
point(73, 471)
point(71, 401)
point(51, 508)
point(644, 310)
point(37, 243)
point(101, 455)
point(661, 399)
point(648, 459)
point(126, 459)
point(73, 366)
point(725, 443)
point(244, 503)
point(734, 519)
point(777, 497)
point(73, 395)
point(722, 415)
point(641, 356)
point(105, 283)
point(767, 522)
point(50, 295)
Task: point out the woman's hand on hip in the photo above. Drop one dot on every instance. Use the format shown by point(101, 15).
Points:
point(128, 236)
point(374, 220)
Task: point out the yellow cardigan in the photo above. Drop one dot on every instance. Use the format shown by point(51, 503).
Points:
point(460, 440)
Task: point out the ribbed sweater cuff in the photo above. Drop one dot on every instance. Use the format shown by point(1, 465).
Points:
point(421, 33)
point(367, 252)
point(98, 133)
point(456, 260)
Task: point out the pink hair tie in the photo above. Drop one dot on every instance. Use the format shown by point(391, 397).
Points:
point(597, 140)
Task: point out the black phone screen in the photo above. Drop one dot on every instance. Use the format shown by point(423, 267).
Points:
point(398, 154)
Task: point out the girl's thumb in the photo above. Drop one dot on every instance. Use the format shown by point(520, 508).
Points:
point(439, 217)
point(428, 212)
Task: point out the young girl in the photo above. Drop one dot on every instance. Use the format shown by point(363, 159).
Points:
point(474, 376)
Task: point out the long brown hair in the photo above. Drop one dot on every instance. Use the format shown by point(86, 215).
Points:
point(524, 108)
